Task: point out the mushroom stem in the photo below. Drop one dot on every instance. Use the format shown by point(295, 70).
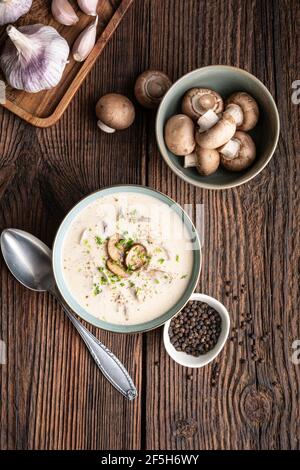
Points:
point(207, 120)
point(236, 112)
point(231, 149)
point(190, 160)
point(105, 128)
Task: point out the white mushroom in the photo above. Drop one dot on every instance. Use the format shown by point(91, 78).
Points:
point(245, 156)
point(113, 250)
point(114, 112)
point(249, 108)
point(206, 161)
point(84, 237)
point(179, 135)
point(136, 257)
point(150, 87)
point(219, 134)
point(198, 101)
point(116, 268)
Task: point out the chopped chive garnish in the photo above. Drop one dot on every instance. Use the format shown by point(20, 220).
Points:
point(98, 240)
point(97, 290)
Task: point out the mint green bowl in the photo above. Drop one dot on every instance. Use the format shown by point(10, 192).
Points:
point(57, 260)
point(225, 80)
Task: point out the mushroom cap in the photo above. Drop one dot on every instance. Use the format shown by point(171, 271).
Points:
point(249, 107)
point(115, 111)
point(115, 253)
point(208, 161)
point(150, 87)
point(217, 135)
point(246, 155)
point(136, 257)
point(180, 135)
point(198, 101)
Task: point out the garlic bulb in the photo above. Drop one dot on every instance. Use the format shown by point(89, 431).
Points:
point(34, 57)
point(63, 12)
point(89, 7)
point(11, 10)
point(85, 42)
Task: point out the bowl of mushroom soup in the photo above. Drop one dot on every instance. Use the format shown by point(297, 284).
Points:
point(217, 127)
point(126, 258)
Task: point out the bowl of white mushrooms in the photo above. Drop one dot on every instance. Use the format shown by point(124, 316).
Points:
point(217, 127)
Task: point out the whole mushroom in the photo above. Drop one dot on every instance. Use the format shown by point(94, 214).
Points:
point(249, 109)
point(243, 154)
point(150, 87)
point(197, 101)
point(206, 161)
point(179, 135)
point(114, 112)
point(218, 134)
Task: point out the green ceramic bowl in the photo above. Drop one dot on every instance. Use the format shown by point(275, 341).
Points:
point(225, 80)
point(58, 271)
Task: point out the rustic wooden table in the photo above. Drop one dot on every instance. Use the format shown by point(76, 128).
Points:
point(52, 395)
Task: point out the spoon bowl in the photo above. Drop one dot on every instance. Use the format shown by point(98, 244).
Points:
point(28, 259)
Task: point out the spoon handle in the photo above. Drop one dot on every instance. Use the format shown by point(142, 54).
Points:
point(108, 363)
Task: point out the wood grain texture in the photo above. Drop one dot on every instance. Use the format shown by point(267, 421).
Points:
point(251, 238)
point(51, 393)
point(45, 108)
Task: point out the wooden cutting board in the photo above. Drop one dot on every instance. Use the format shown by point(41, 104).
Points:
point(45, 108)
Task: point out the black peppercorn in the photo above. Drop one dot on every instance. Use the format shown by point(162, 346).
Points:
point(196, 329)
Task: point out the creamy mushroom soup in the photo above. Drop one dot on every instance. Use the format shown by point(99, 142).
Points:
point(127, 258)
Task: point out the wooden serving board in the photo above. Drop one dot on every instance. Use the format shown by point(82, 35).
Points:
point(45, 108)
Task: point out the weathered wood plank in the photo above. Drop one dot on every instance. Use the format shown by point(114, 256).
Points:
point(250, 239)
point(52, 394)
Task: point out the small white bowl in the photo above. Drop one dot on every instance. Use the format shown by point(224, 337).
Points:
point(188, 360)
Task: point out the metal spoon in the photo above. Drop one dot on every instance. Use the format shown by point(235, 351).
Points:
point(30, 261)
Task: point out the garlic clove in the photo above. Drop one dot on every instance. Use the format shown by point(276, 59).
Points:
point(89, 7)
point(63, 12)
point(12, 10)
point(85, 42)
